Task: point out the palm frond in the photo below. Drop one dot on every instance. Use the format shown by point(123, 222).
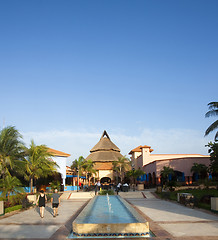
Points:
point(212, 113)
point(213, 105)
point(212, 127)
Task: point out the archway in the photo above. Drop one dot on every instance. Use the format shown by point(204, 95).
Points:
point(178, 176)
point(105, 183)
point(154, 178)
point(105, 180)
point(150, 179)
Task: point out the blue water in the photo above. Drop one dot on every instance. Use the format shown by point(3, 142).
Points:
point(100, 212)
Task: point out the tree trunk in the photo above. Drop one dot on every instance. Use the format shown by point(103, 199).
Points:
point(31, 184)
point(8, 198)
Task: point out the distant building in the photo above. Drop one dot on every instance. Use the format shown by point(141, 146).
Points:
point(60, 158)
point(103, 154)
point(152, 164)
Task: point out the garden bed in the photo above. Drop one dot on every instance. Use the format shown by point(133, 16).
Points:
point(201, 196)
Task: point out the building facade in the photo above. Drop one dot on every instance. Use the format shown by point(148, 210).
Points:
point(60, 158)
point(152, 164)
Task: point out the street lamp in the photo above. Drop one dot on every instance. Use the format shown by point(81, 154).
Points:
point(77, 169)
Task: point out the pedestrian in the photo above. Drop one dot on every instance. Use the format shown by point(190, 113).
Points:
point(55, 200)
point(118, 187)
point(42, 199)
point(97, 187)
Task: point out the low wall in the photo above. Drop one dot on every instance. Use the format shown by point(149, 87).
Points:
point(71, 188)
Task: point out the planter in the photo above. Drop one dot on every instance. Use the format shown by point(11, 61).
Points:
point(32, 198)
point(214, 203)
point(140, 187)
point(1, 208)
point(159, 189)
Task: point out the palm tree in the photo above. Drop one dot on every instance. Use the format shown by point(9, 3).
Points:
point(213, 111)
point(200, 169)
point(78, 166)
point(39, 163)
point(10, 185)
point(213, 151)
point(134, 174)
point(11, 150)
point(165, 173)
point(120, 166)
point(88, 167)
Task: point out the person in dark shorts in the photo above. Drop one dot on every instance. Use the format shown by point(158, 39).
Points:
point(41, 202)
point(55, 200)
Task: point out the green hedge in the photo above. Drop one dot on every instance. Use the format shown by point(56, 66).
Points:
point(11, 209)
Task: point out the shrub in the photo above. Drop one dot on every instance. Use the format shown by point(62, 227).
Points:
point(11, 209)
point(105, 192)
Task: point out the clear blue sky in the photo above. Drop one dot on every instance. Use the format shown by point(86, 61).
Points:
point(140, 69)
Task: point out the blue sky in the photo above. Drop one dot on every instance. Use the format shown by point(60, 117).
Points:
point(143, 70)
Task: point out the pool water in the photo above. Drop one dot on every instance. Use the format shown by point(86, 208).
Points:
point(102, 213)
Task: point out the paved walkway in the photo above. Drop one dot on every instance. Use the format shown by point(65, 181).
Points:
point(169, 221)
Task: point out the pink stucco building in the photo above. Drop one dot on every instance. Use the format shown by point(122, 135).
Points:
point(152, 164)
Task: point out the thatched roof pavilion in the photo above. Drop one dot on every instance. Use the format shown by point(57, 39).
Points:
point(105, 150)
point(103, 154)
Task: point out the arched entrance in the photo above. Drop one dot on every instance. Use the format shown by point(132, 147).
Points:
point(154, 178)
point(105, 183)
point(105, 180)
point(178, 176)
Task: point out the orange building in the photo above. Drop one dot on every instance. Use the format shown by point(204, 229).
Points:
point(152, 164)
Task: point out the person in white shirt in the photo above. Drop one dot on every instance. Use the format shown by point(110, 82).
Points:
point(97, 187)
point(118, 187)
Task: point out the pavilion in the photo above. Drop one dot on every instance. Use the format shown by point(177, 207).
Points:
point(103, 154)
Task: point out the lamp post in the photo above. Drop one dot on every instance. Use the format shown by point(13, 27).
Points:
point(78, 180)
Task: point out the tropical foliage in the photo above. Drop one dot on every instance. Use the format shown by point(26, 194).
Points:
point(134, 174)
point(11, 151)
point(121, 166)
point(200, 169)
point(77, 167)
point(10, 185)
point(213, 111)
point(38, 163)
point(165, 173)
point(213, 151)
point(88, 167)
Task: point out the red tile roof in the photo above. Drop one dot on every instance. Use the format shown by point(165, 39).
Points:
point(58, 153)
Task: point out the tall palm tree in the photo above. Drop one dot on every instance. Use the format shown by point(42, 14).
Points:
point(78, 166)
point(11, 150)
point(120, 166)
point(213, 111)
point(39, 163)
point(134, 174)
point(88, 167)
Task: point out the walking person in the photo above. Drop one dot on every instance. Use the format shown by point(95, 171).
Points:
point(118, 187)
point(97, 187)
point(55, 200)
point(42, 199)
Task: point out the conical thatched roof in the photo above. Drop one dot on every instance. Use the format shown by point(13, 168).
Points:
point(105, 150)
point(105, 144)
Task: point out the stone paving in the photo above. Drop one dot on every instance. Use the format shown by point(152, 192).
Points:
point(168, 221)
